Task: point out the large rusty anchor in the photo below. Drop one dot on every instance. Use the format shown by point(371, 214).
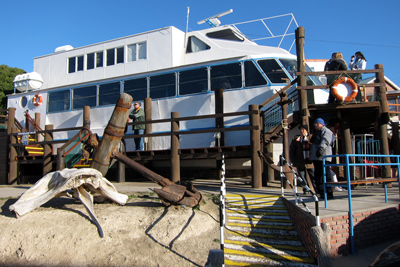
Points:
point(170, 193)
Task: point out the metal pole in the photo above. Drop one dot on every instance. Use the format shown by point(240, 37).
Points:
point(222, 204)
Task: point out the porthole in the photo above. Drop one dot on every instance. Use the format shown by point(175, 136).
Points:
point(24, 101)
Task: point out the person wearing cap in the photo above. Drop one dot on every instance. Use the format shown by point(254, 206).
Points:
point(299, 155)
point(322, 142)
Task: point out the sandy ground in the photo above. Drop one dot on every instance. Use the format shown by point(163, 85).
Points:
point(141, 233)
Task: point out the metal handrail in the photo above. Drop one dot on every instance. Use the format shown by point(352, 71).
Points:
point(303, 185)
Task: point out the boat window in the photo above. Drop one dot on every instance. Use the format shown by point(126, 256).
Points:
point(227, 34)
point(195, 45)
point(162, 86)
point(109, 93)
point(99, 59)
point(75, 64)
point(115, 56)
point(227, 76)
point(252, 75)
point(90, 61)
point(59, 101)
point(273, 71)
point(24, 101)
point(71, 65)
point(290, 65)
point(110, 57)
point(137, 88)
point(137, 51)
point(84, 96)
point(193, 81)
point(94, 60)
point(79, 67)
point(312, 80)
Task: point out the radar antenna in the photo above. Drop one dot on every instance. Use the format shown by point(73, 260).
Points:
point(213, 21)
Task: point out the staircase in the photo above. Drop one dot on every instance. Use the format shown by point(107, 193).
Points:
point(32, 150)
point(259, 232)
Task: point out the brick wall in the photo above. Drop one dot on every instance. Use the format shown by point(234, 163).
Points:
point(303, 222)
point(370, 227)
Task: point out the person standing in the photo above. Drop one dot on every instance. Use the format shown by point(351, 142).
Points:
point(299, 154)
point(336, 63)
point(322, 142)
point(358, 63)
point(137, 115)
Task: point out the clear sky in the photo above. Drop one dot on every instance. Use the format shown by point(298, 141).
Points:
point(34, 28)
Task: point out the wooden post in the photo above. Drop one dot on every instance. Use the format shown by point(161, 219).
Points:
point(383, 121)
point(86, 117)
point(271, 171)
point(346, 137)
point(148, 117)
point(255, 146)
point(301, 66)
point(175, 160)
point(38, 137)
point(13, 172)
point(121, 166)
point(48, 150)
point(60, 159)
point(11, 119)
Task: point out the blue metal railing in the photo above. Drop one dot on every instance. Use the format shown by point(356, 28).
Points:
point(347, 166)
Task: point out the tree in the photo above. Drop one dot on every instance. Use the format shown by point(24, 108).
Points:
point(7, 75)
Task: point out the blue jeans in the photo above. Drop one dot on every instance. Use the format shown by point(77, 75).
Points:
point(139, 141)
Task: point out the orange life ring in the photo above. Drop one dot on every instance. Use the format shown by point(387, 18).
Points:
point(37, 100)
point(349, 81)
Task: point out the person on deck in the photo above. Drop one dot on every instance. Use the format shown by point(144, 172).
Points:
point(137, 115)
point(336, 63)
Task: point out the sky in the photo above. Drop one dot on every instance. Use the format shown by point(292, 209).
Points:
point(29, 29)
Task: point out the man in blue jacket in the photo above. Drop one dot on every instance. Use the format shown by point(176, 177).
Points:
point(322, 142)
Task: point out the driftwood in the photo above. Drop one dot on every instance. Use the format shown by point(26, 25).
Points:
point(86, 184)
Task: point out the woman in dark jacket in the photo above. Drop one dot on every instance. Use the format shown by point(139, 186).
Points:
point(299, 154)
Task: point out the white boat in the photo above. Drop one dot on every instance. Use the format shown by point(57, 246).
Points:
point(178, 70)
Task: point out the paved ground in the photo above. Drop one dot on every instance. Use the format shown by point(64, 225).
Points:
point(361, 200)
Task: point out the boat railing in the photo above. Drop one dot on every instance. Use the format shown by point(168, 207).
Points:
point(272, 110)
point(261, 31)
point(379, 82)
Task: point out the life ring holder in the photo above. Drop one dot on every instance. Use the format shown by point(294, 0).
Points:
point(348, 81)
point(37, 100)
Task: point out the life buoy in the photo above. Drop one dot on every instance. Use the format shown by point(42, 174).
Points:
point(340, 97)
point(37, 100)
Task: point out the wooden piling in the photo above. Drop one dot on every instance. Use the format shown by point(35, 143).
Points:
point(301, 66)
point(148, 117)
point(175, 159)
point(383, 121)
point(48, 150)
point(13, 172)
point(255, 142)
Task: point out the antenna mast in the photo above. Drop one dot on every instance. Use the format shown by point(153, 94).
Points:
point(213, 21)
